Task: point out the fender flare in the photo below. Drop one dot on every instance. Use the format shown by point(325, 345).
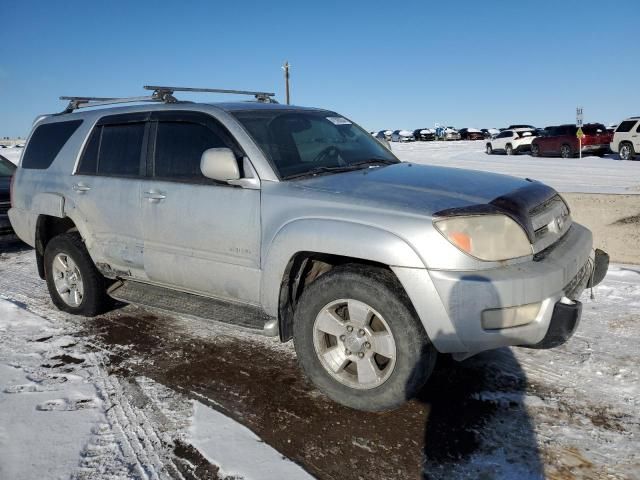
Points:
point(332, 237)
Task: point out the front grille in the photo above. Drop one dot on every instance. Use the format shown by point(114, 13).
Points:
point(550, 220)
point(4, 207)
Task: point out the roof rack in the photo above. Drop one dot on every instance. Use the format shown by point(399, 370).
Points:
point(160, 94)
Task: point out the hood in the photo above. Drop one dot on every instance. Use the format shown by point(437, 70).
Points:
point(419, 189)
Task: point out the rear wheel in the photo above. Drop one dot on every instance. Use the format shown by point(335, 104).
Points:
point(626, 151)
point(565, 151)
point(535, 150)
point(359, 341)
point(509, 149)
point(489, 149)
point(74, 283)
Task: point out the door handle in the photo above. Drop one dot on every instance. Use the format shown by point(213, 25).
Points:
point(81, 187)
point(154, 195)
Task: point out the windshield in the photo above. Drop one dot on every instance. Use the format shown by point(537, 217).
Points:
point(6, 167)
point(297, 142)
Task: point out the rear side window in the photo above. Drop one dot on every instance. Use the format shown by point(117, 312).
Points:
point(179, 148)
point(114, 150)
point(46, 142)
point(626, 126)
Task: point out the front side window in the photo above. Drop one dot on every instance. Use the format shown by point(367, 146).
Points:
point(46, 142)
point(179, 148)
point(302, 142)
point(114, 150)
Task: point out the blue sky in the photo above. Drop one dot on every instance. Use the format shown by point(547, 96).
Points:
point(383, 64)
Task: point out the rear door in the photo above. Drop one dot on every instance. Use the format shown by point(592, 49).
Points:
point(106, 191)
point(200, 235)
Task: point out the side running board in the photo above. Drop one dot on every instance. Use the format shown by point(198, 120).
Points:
point(189, 304)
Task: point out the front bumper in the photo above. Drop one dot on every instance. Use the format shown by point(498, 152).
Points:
point(451, 303)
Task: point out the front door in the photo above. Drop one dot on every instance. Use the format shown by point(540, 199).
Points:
point(106, 192)
point(199, 235)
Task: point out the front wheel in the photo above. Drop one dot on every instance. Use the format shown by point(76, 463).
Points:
point(565, 151)
point(509, 149)
point(74, 283)
point(626, 151)
point(489, 149)
point(358, 339)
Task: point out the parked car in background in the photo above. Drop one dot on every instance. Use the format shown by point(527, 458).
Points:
point(384, 133)
point(380, 136)
point(402, 136)
point(424, 134)
point(490, 132)
point(7, 169)
point(471, 134)
point(528, 127)
point(447, 133)
point(562, 141)
point(612, 128)
point(626, 139)
point(510, 142)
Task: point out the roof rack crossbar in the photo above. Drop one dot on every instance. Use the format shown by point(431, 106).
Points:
point(266, 97)
point(160, 94)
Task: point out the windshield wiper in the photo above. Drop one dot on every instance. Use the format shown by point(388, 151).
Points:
point(342, 168)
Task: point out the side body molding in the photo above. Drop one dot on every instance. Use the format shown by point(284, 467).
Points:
point(335, 237)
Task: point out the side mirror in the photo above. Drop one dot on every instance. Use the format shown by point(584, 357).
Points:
point(219, 164)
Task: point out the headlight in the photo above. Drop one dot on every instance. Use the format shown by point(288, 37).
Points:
point(486, 237)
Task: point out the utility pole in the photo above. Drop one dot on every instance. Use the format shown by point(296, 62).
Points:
point(285, 67)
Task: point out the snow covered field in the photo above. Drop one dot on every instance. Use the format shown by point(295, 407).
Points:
point(138, 393)
point(587, 175)
point(11, 154)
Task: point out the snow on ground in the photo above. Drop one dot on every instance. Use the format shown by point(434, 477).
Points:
point(12, 154)
point(237, 450)
point(587, 175)
point(62, 415)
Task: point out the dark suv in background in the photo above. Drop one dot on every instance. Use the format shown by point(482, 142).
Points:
point(7, 169)
point(562, 141)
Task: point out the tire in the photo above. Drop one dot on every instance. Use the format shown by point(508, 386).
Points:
point(565, 151)
point(626, 151)
point(509, 149)
point(535, 150)
point(81, 276)
point(489, 149)
point(364, 380)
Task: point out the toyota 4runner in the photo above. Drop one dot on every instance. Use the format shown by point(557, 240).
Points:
point(298, 222)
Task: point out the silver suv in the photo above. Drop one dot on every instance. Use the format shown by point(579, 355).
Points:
point(298, 222)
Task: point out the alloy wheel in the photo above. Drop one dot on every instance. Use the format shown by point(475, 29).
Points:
point(67, 280)
point(354, 344)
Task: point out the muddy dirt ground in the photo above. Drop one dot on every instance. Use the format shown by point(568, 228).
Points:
point(511, 413)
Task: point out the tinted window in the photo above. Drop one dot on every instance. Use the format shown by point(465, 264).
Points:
point(46, 142)
point(89, 161)
point(179, 147)
point(626, 126)
point(504, 134)
point(6, 167)
point(120, 149)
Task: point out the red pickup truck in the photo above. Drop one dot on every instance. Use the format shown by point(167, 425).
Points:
point(562, 141)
